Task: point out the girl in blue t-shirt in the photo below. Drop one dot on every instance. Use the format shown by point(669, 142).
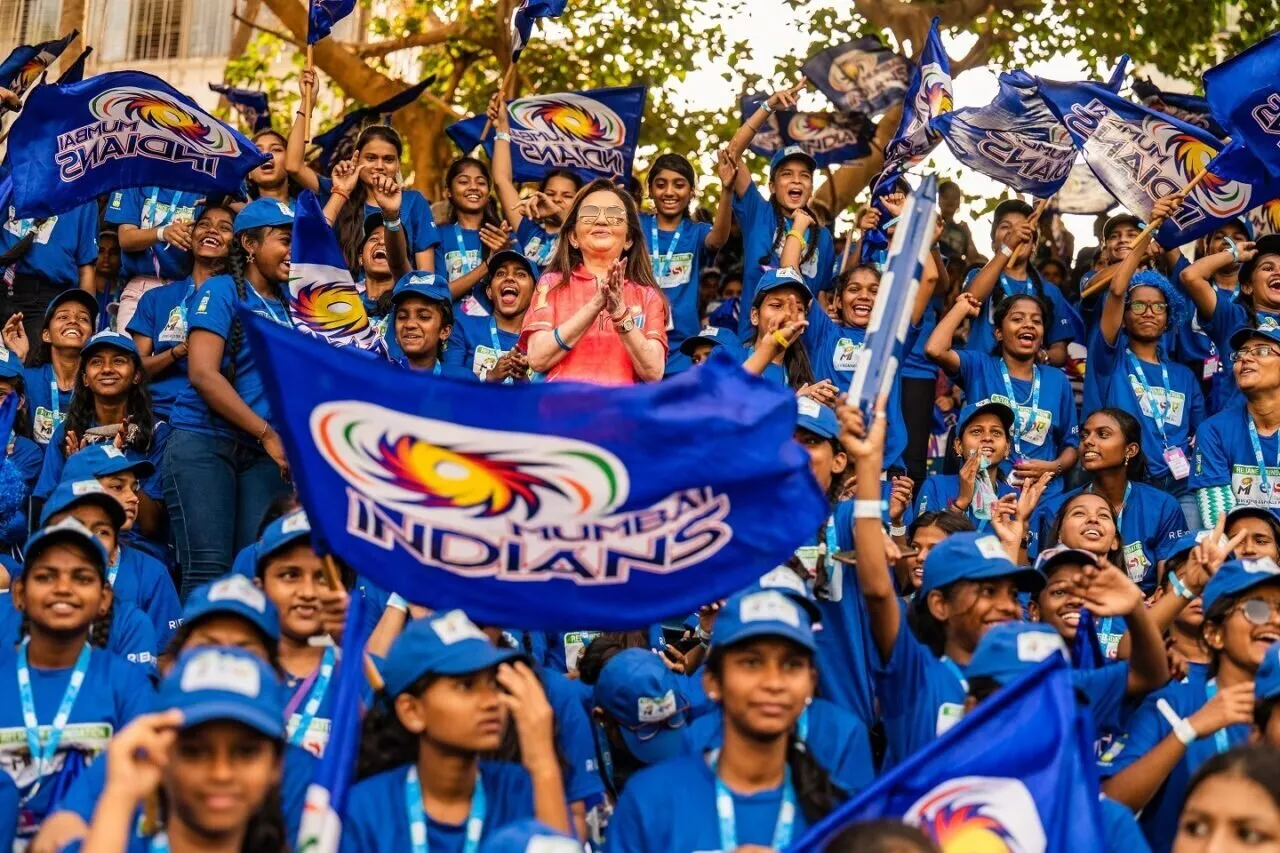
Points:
point(471, 231)
point(69, 321)
point(271, 179)
point(982, 441)
point(488, 344)
point(224, 463)
point(423, 317)
point(774, 349)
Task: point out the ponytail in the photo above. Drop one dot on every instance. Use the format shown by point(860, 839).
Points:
point(236, 260)
point(267, 830)
point(816, 795)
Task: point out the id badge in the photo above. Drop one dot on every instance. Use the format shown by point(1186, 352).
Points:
point(1210, 367)
point(1177, 462)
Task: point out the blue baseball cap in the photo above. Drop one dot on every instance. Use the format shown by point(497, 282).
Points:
point(986, 407)
point(786, 581)
point(71, 493)
point(103, 460)
point(224, 683)
point(780, 277)
point(1180, 543)
point(816, 418)
point(235, 595)
point(1243, 336)
point(971, 557)
point(1051, 558)
point(529, 836)
point(69, 531)
point(762, 613)
point(1266, 682)
point(647, 700)
point(442, 644)
point(1236, 576)
point(115, 340)
point(262, 212)
point(1006, 651)
point(10, 365)
point(713, 335)
point(791, 152)
point(281, 533)
point(497, 259)
point(84, 297)
point(428, 285)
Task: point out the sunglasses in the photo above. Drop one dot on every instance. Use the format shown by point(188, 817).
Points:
point(1258, 611)
point(590, 214)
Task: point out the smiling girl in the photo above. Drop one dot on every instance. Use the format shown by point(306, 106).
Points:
point(470, 232)
point(68, 323)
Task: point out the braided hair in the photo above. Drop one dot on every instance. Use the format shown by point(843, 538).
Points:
point(349, 225)
point(237, 264)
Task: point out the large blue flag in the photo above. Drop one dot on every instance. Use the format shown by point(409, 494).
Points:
point(1244, 95)
point(252, 106)
point(768, 140)
point(1192, 109)
point(522, 21)
point(593, 133)
point(829, 138)
point(73, 143)
point(24, 65)
point(74, 72)
point(339, 142)
point(860, 76)
point(544, 505)
point(322, 15)
point(1014, 774)
point(928, 98)
point(1141, 155)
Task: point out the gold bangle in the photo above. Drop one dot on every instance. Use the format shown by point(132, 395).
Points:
point(781, 339)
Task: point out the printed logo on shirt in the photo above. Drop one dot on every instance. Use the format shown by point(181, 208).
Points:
point(203, 307)
point(316, 737)
point(575, 643)
point(1135, 561)
point(847, 354)
point(987, 812)
point(44, 422)
point(459, 264)
point(809, 267)
point(540, 253)
point(15, 759)
point(485, 359)
point(675, 272)
point(1176, 406)
point(22, 227)
point(175, 326)
point(215, 670)
point(656, 709)
point(1247, 486)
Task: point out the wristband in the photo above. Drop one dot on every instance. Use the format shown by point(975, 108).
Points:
point(391, 224)
point(343, 193)
point(781, 339)
point(897, 530)
point(868, 509)
point(799, 236)
point(560, 340)
point(768, 110)
point(502, 135)
point(266, 427)
point(396, 602)
point(1006, 251)
point(1182, 728)
point(160, 233)
point(1231, 247)
point(1176, 584)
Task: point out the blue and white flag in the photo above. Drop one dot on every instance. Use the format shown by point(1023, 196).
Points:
point(323, 299)
point(1244, 95)
point(593, 133)
point(928, 98)
point(24, 65)
point(1083, 193)
point(251, 105)
point(323, 15)
point(860, 76)
point(542, 505)
point(891, 315)
point(73, 143)
point(339, 142)
point(522, 21)
point(1015, 774)
point(1141, 155)
point(768, 140)
point(1192, 109)
point(828, 138)
point(74, 72)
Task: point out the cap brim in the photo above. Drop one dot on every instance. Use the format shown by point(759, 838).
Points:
point(1024, 578)
point(63, 537)
point(1001, 411)
point(481, 659)
point(500, 258)
point(752, 631)
point(1058, 559)
point(1242, 336)
point(798, 155)
point(82, 296)
point(690, 344)
point(666, 744)
point(271, 725)
point(230, 607)
point(94, 346)
point(106, 502)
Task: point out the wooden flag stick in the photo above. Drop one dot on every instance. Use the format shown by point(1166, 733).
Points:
point(502, 95)
point(306, 97)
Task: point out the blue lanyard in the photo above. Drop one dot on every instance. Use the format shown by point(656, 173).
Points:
point(318, 688)
point(1158, 410)
point(802, 725)
point(955, 670)
point(435, 368)
point(671, 247)
point(1021, 422)
point(1220, 741)
point(1257, 453)
point(42, 757)
point(114, 568)
point(54, 402)
point(462, 250)
point(418, 817)
point(497, 347)
point(782, 830)
point(275, 318)
point(833, 545)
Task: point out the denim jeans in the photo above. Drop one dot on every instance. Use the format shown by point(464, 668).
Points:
point(217, 490)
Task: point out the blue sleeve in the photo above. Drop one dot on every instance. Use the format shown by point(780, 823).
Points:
point(1228, 316)
point(1173, 522)
point(577, 745)
point(9, 811)
point(86, 251)
point(455, 349)
point(900, 679)
point(143, 321)
point(1062, 314)
point(1196, 410)
point(1103, 357)
point(1106, 688)
point(1146, 728)
point(422, 229)
point(54, 462)
point(929, 499)
point(160, 602)
point(970, 369)
point(817, 336)
point(1123, 835)
point(216, 307)
point(136, 695)
point(1067, 419)
point(825, 279)
point(634, 827)
point(132, 637)
point(1212, 466)
point(125, 207)
point(153, 485)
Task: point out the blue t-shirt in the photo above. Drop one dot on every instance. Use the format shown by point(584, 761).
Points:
point(132, 637)
point(672, 806)
point(46, 408)
point(458, 251)
point(477, 343)
point(62, 244)
point(441, 368)
point(8, 812)
point(1123, 835)
point(939, 490)
point(981, 336)
point(415, 217)
point(574, 742)
point(921, 696)
point(377, 820)
point(1229, 316)
point(915, 364)
point(144, 582)
point(215, 310)
point(1225, 457)
point(27, 458)
point(1146, 728)
point(759, 226)
point(55, 461)
point(152, 207)
point(537, 244)
point(677, 266)
point(161, 317)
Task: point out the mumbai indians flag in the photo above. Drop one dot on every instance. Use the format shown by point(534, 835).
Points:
point(892, 312)
point(1244, 95)
point(1141, 155)
point(251, 105)
point(323, 299)
point(542, 505)
point(1192, 109)
point(73, 143)
point(928, 98)
point(74, 72)
point(768, 141)
point(829, 138)
point(593, 133)
point(860, 76)
point(339, 142)
point(522, 21)
point(322, 15)
point(1014, 774)
point(24, 65)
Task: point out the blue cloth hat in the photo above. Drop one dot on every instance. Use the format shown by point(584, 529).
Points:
point(103, 460)
point(762, 613)
point(1179, 311)
point(816, 418)
point(67, 531)
point(1051, 558)
point(281, 533)
point(647, 700)
point(985, 407)
point(224, 683)
point(786, 581)
point(10, 365)
point(1243, 336)
point(779, 277)
point(529, 836)
point(71, 493)
point(84, 297)
point(237, 595)
point(1236, 576)
point(791, 152)
point(974, 556)
point(714, 335)
point(441, 644)
point(1008, 650)
point(428, 285)
point(114, 340)
point(263, 212)
point(1266, 683)
point(497, 259)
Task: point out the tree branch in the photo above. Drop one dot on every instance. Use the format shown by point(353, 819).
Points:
point(282, 36)
point(434, 36)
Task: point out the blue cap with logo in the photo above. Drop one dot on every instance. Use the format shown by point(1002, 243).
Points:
point(713, 335)
point(1266, 683)
point(108, 339)
point(224, 683)
point(780, 277)
point(69, 531)
point(75, 294)
point(263, 212)
point(971, 557)
point(1267, 514)
point(281, 533)
point(529, 836)
point(1008, 650)
point(1243, 336)
point(1050, 558)
point(986, 407)
point(1236, 576)
point(791, 152)
point(762, 613)
point(647, 700)
point(103, 460)
point(785, 580)
point(72, 493)
point(10, 365)
point(816, 418)
point(235, 595)
point(428, 285)
point(497, 259)
point(441, 644)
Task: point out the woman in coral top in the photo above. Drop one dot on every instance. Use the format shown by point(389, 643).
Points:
point(598, 315)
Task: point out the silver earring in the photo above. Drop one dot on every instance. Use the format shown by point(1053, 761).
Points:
point(808, 702)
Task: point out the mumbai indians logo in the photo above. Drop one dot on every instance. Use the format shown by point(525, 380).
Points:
point(1189, 155)
point(30, 70)
point(819, 132)
point(980, 814)
point(849, 68)
point(421, 466)
point(572, 118)
point(935, 85)
point(329, 308)
point(1265, 218)
point(170, 118)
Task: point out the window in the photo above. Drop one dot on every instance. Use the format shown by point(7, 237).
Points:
point(27, 22)
point(162, 29)
point(156, 29)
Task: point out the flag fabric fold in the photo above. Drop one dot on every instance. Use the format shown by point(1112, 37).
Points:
point(323, 16)
point(928, 97)
point(860, 76)
point(251, 106)
point(829, 138)
point(26, 62)
point(339, 142)
point(522, 20)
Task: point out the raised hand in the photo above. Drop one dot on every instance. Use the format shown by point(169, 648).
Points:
point(858, 441)
point(15, 337)
point(531, 713)
point(1230, 706)
point(496, 237)
point(1166, 206)
point(308, 84)
point(968, 481)
point(801, 220)
point(727, 167)
point(894, 203)
point(387, 194)
point(613, 299)
point(1107, 590)
point(178, 234)
point(967, 305)
point(139, 753)
point(900, 497)
point(497, 113)
point(820, 392)
point(345, 175)
point(1022, 234)
point(785, 99)
point(868, 218)
point(1009, 529)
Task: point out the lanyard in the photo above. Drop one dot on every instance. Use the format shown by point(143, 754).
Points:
point(802, 725)
point(955, 670)
point(1128, 490)
point(159, 843)
point(1257, 453)
point(1022, 422)
point(318, 688)
point(497, 347)
point(42, 757)
point(782, 830)
point(1158, 410)
point(832, 545)
point(1220, 742)
point(462, 250)
point(114, 568)
point(54, 402)
point(671, 247)
point(275, 318)
point(418, 818)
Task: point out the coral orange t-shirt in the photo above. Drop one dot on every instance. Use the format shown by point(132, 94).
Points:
point(600, 356)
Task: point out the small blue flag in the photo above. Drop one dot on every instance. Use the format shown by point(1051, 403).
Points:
point(522, 21)
point(860, 76)
point(1244, 95)
point(829, 138)
point(1086, 650)
point(24, 65)
point(542, 505)
point(1141, 155)
point(251, 105)
point(73, 143)
point(928, 98)
point(322, 15)
point(1192, 109)
point(1014, 774)
point(74, 72)
point(339, 142)
point(768, 140)
point(593, 133)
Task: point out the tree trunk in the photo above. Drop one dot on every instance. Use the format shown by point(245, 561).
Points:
point(839, 192)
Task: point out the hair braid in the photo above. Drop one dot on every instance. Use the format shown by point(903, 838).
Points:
point(236, 261)
point(100, 630)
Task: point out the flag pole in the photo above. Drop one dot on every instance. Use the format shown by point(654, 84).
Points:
point(306, 96)
point(502, 94)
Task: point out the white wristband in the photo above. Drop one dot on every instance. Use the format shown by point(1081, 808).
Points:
point(768, 110)
point(396, 601)
point(502, 135)
point(897, 530)
point(160, 233)
point(1006, 251)
point(867, 509)
point(1182, 729)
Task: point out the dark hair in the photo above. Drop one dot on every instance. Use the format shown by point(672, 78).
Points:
point(639, 265)
point(237, 260)
point(880, 836)
point(1259, 763)
point(384, 741)
point(1115, 555)
point(672, 162)
point(280, 506)
point(924, 625)
point(490, 212)
point(1262, 711)
point(21, 422)
point(183, 634)
point(795, 359)
point(349, 225)
point(811, 236)
point(568, 174)
point(293, 188)
point(99, 631)
point(1005, 304)
point(223, 205)
point(138, 409)
point(599, 651)
point(948, 521)
point(1136, 469)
